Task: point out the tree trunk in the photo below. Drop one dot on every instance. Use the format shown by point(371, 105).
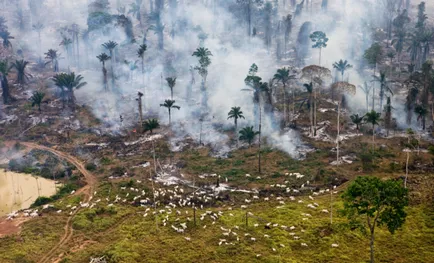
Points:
point(170, 120)
point(373, 137)
point(314, 112)
point(320, 57)
point(371, 245)
point(284, 105)
point(249, 18)
point(5, 89)
point(337, 136)
point(260, 126)
point(236, 131)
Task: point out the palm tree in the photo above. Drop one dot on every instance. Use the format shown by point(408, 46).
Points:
point(248, 134)
point(52, 57)
point(135, 10)
point(6, 36)
point(366, 89)
point(235, 113)
point(103, 57)
point(66, 43)
point(38, 27)
point(37, 98)
point(203, 54)
point(384, 86)
point(283, 75)
point(309, 89)
point(388, 115)
point(171, 82)
point(341, 66)
point(20, 67)
point(357, 120)
point(110, 46)
point(398, 43)
point(158, 28)
point(373, 118)
point(169, 104)
point(67, 83)
point(421, 112)
point(150, 125)
point(4, 70)
point(141, 55)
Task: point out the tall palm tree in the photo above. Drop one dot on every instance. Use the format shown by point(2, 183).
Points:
point(158, 28)
point(150, 125)
point(357, 120)
point(283, 75)
point(67, 43)
point(421, 112)
point(236, 113)
point(309, 89)
point(366, 89)
point(20, 67)
point(341, 66)
point(141, 55)
point(373, 118)
point(38, 27)
point(171, 82)
point(103, 57)
point(67, 83)
point(203, 54)
point(398, 43)
point(6, 37)
point(248, 134)
point(384, 86)
point(110, 46)
point(4, 70)
point(169, 104)
point(36, 99)
point(52, 58)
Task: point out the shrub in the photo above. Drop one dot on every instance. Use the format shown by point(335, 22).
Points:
point(90, 167)
point(42, 200)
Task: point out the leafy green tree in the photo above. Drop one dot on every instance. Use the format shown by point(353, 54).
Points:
point(6, 37)
point(150, 125)
point(68, 83)
point(203, 54)
point(284, 76)
point(235, 113)
point(111, 46)
point(37, 99)
point(52, 58)
point(357, 120)
point(171, 82)
point(320, 39)
point(374, 55)
point(309, 89)
point(342, 66)
point(248, 134)
point(373, 118)
point(421, 112)
point(384, 86)
point(103, 57)
point(4, 71)
point(20, 67)
point(169, 104)
point(379, 202)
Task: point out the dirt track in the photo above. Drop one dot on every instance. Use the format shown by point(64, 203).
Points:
point(87, 191)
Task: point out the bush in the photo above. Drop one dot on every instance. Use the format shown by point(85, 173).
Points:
point(431, 149)
point(90, 167)
point(105, 161)
point(42, 200)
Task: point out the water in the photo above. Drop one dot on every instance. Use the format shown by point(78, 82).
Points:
point(19, 191)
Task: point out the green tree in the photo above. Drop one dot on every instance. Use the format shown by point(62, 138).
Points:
point(341, 66)
point(68, 83)
point(103, 57)
point(373, 118)
point(248, 134)
point(203, 54)
point(169, 104)
point(20, 67)
point(4, 71)
point(37, 99)
point(150, 125)
point(374, 55)
point(320, 39)
point(6, 37)
point(309, 89)
point(171, 82)
point(357, 120)
point(235, 113)
point(384, 86)
point(284, 76)
point(110, 46)
point(379, 202)
point(421, 112)
point(52, 58)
